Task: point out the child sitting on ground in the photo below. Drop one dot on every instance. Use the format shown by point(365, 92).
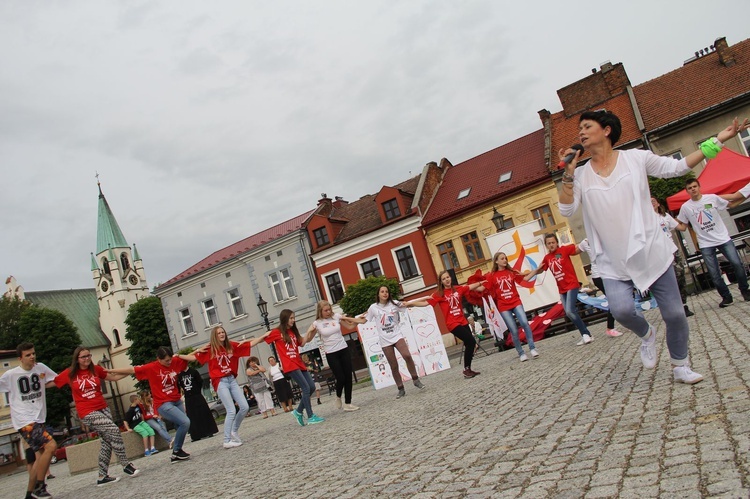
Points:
point(134, 422)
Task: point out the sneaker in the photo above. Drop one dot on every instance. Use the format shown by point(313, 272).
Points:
point(725, 302)
point(131, 470)
point(475, 373)
point(689, 313)
point(40, 492)
point(299, 417)
point(746, 294)
point(683, 374)
point(523, 357)
point(401, 393)
point(613, 333)
point(234, 437)
point(231, 444)
point(338, 402)
point(585, 340)
point(648, 349)
point(315, 419)
point(534, 353)
point(179, 455)
point(418, 384)
point(147, 453)
point(350, 408)
point(51, 476)
point(154, 451)
point(468, 373)
point(105, 481)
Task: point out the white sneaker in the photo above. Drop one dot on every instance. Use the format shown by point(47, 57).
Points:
point(230, 444)
point(683, 374)
point(338, 403)
point(235, 438)
point(648, 349)
point(613, 333)
point(523, 357)
point(534, 353)
point(585, 340)
point(350, 408)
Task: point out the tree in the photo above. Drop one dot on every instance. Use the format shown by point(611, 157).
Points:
point(147, 331)
point(10, 314)
point(662, 188)
point(360, 295)
point(54, 337)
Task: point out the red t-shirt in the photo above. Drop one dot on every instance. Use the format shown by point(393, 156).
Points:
point(162, 380)
point(502, 285)
point(223, 364)
point(450, 305)
point(562, 267)
point(288, 352)
point(87, 389)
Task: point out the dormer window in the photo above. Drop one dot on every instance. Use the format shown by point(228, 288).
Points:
point(321, 236)
point(390, 208)
point(464, 193)
point(504, 177)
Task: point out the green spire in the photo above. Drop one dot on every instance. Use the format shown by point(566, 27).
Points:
point(94, 265)
point(108, 233)
point(136, 256)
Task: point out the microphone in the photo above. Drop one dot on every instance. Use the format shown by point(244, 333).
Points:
point(567, 159)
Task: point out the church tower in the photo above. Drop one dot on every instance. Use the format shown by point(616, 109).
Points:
point(119, 279)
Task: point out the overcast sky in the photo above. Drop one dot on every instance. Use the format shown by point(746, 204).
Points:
point(210, 121)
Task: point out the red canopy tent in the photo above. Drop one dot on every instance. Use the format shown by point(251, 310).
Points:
point(726, 173)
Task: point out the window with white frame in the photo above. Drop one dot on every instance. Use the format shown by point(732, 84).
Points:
point(745, 138)
point(335, 288)
point(282, 284)
point(371, 268)
point(209, 312)
point(235, 303)
point(186, 320)
point(406, 262)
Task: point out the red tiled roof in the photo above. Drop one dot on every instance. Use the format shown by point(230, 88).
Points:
point(362, 216)
point(242, 246)
point(523, 158)
point(565, 130)
point(693, 87)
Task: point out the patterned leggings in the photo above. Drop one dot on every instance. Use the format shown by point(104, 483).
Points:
point(109, 434)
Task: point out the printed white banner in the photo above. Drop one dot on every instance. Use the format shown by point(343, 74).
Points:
point(420, 330)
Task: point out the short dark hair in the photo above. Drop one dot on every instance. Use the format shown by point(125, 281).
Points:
point(605, 119)
point(551, 235)
point(690, 181)
point(163, 352)
point(22, 347)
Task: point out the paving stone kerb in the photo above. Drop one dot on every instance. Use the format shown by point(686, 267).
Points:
point(577, 422)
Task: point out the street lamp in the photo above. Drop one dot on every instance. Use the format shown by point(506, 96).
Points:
point(263, 307)
point(498, 219)
point(106, 364)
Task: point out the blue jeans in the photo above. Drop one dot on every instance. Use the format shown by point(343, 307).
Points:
point(307, 386)
point(229, 392)
point(667, 294)
point(174, 412)
point(159, 427)
point(510, 321)
point(729, 250)
point(569, 301)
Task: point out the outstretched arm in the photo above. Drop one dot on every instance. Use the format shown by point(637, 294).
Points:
point(420, 302)
point(122, 370)
point(255, 341)
point(694, 158)
point(534, 272)
point(114, 377)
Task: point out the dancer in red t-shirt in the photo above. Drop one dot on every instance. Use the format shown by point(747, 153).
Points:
point(558, 261)
point(287, 340)
point(162, 378)
point(501, 283)
point(223, 357)
point(85, 380)
point(449, 299)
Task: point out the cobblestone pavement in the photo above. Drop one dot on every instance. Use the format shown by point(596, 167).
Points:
point(583, 421)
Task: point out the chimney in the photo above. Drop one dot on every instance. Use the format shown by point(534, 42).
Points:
point(726, 54)
point(339, 202)
point(324, 199)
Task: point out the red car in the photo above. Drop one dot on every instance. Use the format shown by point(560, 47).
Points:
point(61, 453)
